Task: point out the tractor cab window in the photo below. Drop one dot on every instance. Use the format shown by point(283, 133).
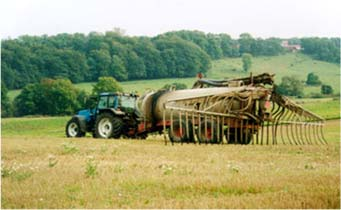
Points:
point(127, 101)
point(113, 102)
point(102, 103)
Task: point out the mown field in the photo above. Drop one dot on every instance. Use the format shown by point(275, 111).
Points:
point(43, 169)
point(291, 64)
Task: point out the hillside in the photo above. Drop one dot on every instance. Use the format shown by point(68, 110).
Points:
point(295, 64)
point(284, 65)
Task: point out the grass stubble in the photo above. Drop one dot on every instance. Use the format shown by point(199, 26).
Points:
point(55, 172)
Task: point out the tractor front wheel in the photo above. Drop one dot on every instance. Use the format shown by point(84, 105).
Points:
point(73, 129)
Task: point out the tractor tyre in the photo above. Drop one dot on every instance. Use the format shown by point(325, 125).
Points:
point(211, 136)
point(117, 127)
point(178, 135)
point(73, 129)
point(108, 126)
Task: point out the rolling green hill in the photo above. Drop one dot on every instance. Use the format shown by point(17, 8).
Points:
point(289, 64)
point(295, 64)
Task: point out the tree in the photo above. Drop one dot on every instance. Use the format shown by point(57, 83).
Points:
point(245, 43)
point(6, 107)
point(77, 67)
point(135, 66)
point(247, 61)
point(106, 84)
point(322, 48)
point(178, 86)
point(182, 58)
point(326, 89)
point(117, 69)
point(60, 97)
point(290, 86)
point(214, 46)
point(26, 103)
point(226, 45)
point(267, 47)
point(155, 67)
point(49, 97)
point(99, 63)
point(8, 76)
point(313, 79)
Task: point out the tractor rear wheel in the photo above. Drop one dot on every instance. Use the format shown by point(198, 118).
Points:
point(73, 129)
point(117, 127)
point(108, 126)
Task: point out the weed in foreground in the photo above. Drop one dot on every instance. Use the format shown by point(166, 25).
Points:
point(91, 167)
point(52, 161)
point(16, 172)
point(69, 148)
point(167, 169)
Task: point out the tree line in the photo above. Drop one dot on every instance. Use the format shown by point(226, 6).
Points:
point(322, 48)
point(85, 58)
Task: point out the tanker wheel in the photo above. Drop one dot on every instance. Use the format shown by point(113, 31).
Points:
point(108, 126)
point(179, 135)
point(211, 135)
point(234, 136)
point(142, 136)
point(73, 129)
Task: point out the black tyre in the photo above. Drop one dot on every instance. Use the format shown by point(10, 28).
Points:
point(142, 136)
point(73, 129)
point(117, 127)
point(211, 135)
point(180, 135)
point(238, 136)
point(108, 126)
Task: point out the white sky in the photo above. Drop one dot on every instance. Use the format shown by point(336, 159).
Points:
point(261, 18)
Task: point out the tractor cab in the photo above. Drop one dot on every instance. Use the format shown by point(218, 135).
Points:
point(123, 102)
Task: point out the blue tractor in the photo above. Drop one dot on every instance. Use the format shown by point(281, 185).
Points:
point(115, 115)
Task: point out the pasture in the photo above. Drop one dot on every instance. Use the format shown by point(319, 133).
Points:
point(43, 169)
point(290, 64)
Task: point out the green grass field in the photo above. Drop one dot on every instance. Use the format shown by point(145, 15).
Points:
point(284, 65)
point(43, 169)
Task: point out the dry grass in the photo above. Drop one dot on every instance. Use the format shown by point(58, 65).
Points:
point(54, 173)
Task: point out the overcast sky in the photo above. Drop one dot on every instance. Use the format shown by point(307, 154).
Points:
point(261, 18)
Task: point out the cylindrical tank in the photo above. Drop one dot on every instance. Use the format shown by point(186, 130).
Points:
point(151, 105)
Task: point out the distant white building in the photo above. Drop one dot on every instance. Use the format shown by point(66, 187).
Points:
point(291, 47)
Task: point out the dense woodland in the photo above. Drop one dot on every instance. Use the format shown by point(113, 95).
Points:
point(85, 58)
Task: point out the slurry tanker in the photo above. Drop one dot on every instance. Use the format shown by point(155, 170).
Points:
point(230, 111)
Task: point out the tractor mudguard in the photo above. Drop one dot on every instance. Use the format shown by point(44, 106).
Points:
point(113, 111)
